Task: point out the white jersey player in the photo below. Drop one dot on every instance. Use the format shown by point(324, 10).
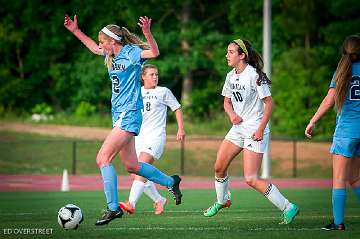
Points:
point(248, 104)
point(151, 140)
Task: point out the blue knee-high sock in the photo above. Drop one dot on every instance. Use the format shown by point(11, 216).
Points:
point(151, 173)
point(357, 193)
point(338, 203)
point(110, 186)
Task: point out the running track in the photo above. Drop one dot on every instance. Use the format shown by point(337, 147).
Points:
point(25, 183)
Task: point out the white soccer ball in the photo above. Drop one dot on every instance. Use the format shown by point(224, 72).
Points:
point(70, 216)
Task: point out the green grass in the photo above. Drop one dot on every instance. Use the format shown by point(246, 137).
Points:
point(250, 216)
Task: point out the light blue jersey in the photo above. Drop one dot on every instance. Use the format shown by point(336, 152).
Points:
point(125, 77)
point(348, 119)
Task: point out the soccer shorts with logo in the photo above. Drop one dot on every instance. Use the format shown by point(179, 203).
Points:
point(236, 137)
point(152, 146)
point(129, 121)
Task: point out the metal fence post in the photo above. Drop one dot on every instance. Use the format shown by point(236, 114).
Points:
point(182, 157)
point(74, 158)
point(294, 158)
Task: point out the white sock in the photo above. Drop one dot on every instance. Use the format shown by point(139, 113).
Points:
point(136, 190)
point(151, 191)
point(274, 196)
point(222, 187)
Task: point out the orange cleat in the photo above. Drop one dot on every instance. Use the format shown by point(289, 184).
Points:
point(127, 207)
point(160, 205)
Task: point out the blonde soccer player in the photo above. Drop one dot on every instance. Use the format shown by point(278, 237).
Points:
point(151, 140)
point(248, 104)
point(124, 54)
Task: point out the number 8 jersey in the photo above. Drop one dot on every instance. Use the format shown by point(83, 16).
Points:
point(246, 98)
point(154, 112)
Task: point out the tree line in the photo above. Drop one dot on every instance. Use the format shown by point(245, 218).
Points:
point(44, 65)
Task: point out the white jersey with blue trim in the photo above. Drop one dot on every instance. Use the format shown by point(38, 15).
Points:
point(348, 119)
point(154, 113)
point(125, 77)
point(246, 98)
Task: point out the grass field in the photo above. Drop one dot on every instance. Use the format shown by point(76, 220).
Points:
point(250, 216)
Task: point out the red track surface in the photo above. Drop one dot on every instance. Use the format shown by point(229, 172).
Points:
point(12, 183)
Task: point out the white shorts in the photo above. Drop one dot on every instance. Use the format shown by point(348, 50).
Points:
point(236, 137)
point(153, 146)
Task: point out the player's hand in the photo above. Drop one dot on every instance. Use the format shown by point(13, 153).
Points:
point(70, 24)
point(258, 135)
point(235, 119)
point(309, 129)
point(180, 136)
point(145, 23)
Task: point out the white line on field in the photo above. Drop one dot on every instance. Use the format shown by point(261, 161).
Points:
point(205, 229)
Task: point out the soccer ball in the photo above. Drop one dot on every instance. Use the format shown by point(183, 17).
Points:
point(70, 216)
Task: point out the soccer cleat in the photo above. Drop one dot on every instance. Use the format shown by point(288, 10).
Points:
point(109, 216)
point(289, 215)
point(213, 210)
point(160, 205)
point(127, 207)
point(175, 189)
point(333, 227)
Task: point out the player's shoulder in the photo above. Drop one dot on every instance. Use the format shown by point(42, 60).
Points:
point(251, 71)
point(130, 49)
point(162, 89)
point(230, 74)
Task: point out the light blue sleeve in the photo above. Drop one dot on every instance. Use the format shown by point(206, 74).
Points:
point(333, 81)
point(135, 54)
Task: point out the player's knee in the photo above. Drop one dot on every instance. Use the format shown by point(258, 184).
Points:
point(132, 168)
point(101, 160)
point(219, 170)
point(251, 180)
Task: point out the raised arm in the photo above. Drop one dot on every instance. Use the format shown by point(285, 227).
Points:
point(325, 105)
point(72, 26)
point(180, 122)
point(145, 23)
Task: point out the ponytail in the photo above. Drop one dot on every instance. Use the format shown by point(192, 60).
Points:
point(343, 74)
point(126, 37)
point(254, 59)
point(350, 53)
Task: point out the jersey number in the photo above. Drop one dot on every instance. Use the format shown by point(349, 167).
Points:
point(115, 84)
point(147, 106)
point(237, 96)
point(355, 89)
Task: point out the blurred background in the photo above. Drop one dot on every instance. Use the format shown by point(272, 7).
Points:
point(47, 77)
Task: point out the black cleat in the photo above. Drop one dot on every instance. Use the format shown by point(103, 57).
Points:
point(175, 189)
point(109, 216)
point(333, 227)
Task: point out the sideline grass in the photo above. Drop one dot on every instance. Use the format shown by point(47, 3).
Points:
point(24, 153)
point(251, 216)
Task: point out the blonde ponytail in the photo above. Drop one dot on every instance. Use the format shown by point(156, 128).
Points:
point(126, 38)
